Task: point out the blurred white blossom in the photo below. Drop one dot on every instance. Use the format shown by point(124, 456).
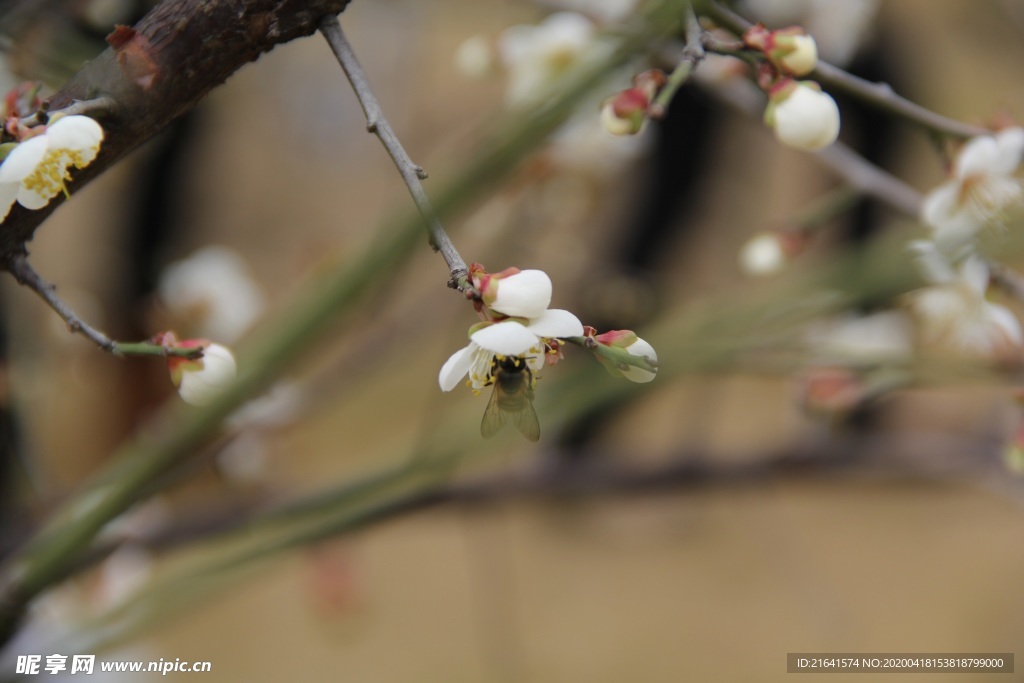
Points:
point(953, 313)
point(212, 293)
point(982, 187)
point(536, 55)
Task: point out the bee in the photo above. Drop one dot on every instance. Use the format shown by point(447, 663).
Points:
point(512, 399)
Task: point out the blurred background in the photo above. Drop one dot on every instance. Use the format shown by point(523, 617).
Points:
point(700, 526)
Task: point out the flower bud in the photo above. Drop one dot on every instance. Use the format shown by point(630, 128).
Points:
point(515, 293)
point(768, 252)
point(625, 113)
point(643, 349)
point(628, 341)
point(802, 115)
point(790, 50)
point(201, 380)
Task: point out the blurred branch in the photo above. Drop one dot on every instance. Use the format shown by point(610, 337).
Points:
point(332, 514)
point(178, 430)
point(378, 124)
point(23, 272)
point(879, 95)
point(693, 54)
point(858, 172)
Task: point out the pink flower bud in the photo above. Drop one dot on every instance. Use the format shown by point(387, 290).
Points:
point(625, 113)
point(790, 50)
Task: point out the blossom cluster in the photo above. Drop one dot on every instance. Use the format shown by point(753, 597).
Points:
point(520, 335)
point(953, 310)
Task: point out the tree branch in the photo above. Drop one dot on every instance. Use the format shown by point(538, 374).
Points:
point(693, 54)
point(378, 124)
point(26, 275)
point(160, 69)
point(879, 95)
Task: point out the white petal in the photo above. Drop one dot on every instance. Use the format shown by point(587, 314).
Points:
point(76, 134)
point(930, 262)
point(808, 119)
point(556, 323)
point(201, 387)
point(506, 338)
point(1011, 147)
point(940, 203)
point(566, 31)
point(980, 155)
point(640, 348)
point(213, 291)
point(1005, 322)
point(762, 254)
point(455, 368)
point(526, 294)
point(23, 159)
point(975, 273)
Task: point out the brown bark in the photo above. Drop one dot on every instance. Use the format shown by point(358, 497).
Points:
point(160, 69)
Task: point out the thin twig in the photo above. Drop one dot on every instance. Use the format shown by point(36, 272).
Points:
point(26, 275)
point(848, 164)
point(693, 54)
point(99, 105)
point(378, 124)
point(880, 95)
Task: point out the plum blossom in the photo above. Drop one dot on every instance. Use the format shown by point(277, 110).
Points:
point(537, 55)
point(953, 312)
point(868, 338)
point(520, 325)
point(801, 115)
point(982, 187)
point(525, 338)
point(213, 292)
point(35, 170)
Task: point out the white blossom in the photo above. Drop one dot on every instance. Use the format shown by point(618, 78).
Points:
point(953, 312)
point(525, 294)
point(34, 172)
point(763, 254)
point(200, 381)
point(981, 188)
point(804, 57)
point(537, 55)
point(851, 337)
point(507, 338)
point(803, 116)
point(213, 293)
point(474, 57)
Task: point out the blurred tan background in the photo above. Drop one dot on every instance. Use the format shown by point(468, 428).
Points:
point(717, 580)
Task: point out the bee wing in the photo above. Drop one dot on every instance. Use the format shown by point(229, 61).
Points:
point(494, 417)
point(526, 421)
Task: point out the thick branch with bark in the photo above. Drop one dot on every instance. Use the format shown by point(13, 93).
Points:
point(160, 68)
